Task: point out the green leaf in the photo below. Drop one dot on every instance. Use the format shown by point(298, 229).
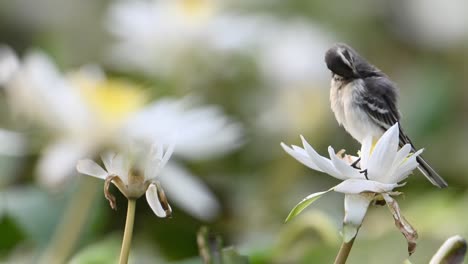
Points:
point(231, 256)
point(304, 203)
point(105, 251)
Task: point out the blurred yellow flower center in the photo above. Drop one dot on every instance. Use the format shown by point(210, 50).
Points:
point(112, 100)
point(196, 9)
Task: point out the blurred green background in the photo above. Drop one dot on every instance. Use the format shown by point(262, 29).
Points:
point(262, 63)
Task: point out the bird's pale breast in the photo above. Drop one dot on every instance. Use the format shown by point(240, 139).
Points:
point(348, 113)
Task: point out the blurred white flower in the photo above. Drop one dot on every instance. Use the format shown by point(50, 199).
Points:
point(200, 132)
point(381, 170)
point(291, 54)
point(134, 172)
point(8, 63)
point(290, 59)
point(156, 37)
point(86, 112)
point(431, 23)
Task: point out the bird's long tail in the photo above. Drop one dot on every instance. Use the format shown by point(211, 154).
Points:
point(424, 167)
point(430, 173)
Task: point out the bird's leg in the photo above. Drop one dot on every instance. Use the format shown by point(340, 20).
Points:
point(354, 164)
point(365, 173)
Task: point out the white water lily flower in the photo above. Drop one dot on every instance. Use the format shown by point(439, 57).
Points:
point(84, 112)
point(382, 169)
point(285, 50)
point(165, 32)
point(134, 174)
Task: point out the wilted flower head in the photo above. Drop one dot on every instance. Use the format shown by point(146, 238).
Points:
point(382, 168)
point(134, 173)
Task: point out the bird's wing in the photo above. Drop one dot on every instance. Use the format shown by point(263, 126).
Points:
point(379, 102)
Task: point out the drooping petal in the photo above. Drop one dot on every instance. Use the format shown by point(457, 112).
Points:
point(323, 163)
point(188, 192)
point(407, 167)
point(300, 155)
point(91, 168)
point(402, 224)
point(343, 167)
point(355, 206)
point(304, 204)
point(383, 155)
point(357, 186)
point(154, 202)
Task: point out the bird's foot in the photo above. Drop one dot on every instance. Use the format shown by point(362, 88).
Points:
point(365, 173)
point(354, 164)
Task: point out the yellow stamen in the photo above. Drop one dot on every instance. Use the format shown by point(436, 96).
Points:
point(111, 100)
point(196, 9)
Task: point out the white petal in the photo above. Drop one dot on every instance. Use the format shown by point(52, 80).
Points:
point(120, 167)
point(199, 131)
point(301, 155)
point(58, 162)
point(400, 157)
point(167, 154)
point(366, 148)
point(153, 201)
point(343, 167)
point(356, 186)
point(159, 151)
point(91, 168)
point(383, 155)
point(407, 167)
point(323, 163)
point(152, 167)
point(402, 154)
point(107, 158)
point(355, 210)
point(188, 192)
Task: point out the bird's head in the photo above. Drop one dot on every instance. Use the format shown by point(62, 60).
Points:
point(341, 60)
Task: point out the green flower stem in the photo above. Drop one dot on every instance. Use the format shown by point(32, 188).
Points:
point(72, 224)
point(127, 238)
point(344, 252)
